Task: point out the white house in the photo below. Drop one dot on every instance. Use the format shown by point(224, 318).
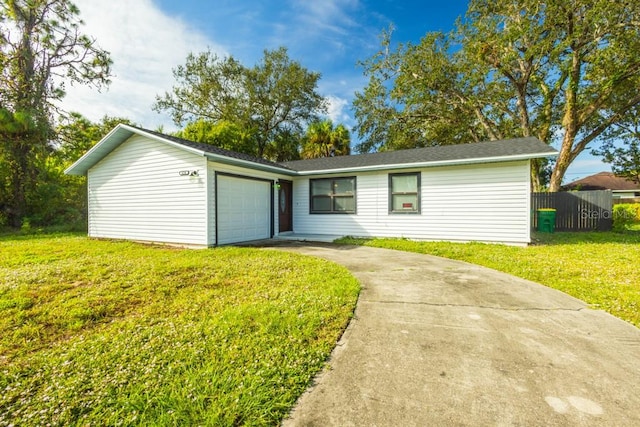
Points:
point(146, 186)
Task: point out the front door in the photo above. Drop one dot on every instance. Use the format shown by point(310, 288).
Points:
point(285, 200)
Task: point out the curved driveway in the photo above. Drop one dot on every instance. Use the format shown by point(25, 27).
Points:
point(440, 342)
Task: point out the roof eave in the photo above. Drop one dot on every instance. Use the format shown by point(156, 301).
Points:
point(453, 162)
point(249, 164)
point(110, 142)
point(84, 163)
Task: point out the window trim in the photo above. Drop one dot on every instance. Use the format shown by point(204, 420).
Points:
point(418, 194)
point(334, 212)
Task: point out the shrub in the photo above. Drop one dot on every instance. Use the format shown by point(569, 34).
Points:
point(625, 215)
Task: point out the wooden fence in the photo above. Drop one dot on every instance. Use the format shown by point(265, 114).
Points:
point(576, 210)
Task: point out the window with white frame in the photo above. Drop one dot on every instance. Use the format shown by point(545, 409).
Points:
point(404, 192)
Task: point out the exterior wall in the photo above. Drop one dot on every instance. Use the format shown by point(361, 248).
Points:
point(488, 202)
point(136, 193)
point(213, 167)
point(625, 194)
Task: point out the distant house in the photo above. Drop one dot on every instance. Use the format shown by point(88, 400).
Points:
point(620, 187)
point(143, 185)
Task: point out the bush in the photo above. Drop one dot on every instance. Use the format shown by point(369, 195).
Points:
point(625, 215)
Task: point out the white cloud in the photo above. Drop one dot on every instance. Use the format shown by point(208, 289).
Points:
point(145, 45)
point(336, 110)
point(327, 16)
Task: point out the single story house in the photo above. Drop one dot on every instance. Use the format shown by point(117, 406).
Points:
point(146, 186)
point(620, 187)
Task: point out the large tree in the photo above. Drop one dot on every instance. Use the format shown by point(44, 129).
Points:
point(271, 101)
point(564, 71)
point(323, 139)
point(41, 49)
point(76, 134)
point(223, 134)
point(622, 147)
point(62, 199)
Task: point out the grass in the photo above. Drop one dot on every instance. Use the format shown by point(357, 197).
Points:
point(599, 268)
point(116, 333)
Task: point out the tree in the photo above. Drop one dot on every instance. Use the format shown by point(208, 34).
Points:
point(275, 98)
point(19, 136)
point(625, 161)
point(41, 50)
point(562, 71)
point(223, 134)
point(324, 140)
point(58, 198)
point(75, 135)
point(622, 148)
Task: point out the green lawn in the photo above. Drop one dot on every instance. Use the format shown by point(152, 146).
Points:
point(115, 333)
point(598, 268)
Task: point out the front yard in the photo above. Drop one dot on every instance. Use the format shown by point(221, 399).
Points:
point(115, 333)
point(598, 268)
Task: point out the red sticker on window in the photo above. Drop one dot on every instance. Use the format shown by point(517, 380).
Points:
point(407, 205)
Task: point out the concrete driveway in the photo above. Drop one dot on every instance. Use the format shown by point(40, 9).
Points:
point(436, 342)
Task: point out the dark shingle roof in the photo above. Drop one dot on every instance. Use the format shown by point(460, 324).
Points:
point(212, 149)
point(603, 181)
point(481, 150)
point(508, 149)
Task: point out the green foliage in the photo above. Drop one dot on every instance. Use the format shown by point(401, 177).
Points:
point(106, 333)
point(76, 135)
point(595, 267)
point(284, 147)
point(223, 134)
point(270, 101)
point(624, 158)
point(622, 146)
point(41, 50)
point(625, 216)
point(21, 149)
point(55, 198)
point(322, 139)
point(564, 72)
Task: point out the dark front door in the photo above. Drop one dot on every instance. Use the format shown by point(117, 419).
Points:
point(285, 199)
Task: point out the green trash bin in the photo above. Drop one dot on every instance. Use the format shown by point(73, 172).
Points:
point(546, 220)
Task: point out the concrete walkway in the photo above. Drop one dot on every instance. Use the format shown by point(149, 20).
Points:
point(436, 342)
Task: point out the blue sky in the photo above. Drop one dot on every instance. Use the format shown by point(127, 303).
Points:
point(147, 38)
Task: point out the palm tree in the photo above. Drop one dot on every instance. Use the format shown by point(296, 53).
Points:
point(323, 140)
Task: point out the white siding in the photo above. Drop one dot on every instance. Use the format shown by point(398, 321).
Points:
point(136, 193)
point(489, 202)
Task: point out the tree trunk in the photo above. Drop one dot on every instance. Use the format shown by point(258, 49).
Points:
point(536, 184)
point(569, 123)
point(19, 181)
point(562, 163)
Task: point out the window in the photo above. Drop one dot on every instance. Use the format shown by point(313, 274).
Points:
point(333, 195)
point(404, 192)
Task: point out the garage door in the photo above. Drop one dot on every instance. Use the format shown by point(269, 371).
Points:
point(244, 209)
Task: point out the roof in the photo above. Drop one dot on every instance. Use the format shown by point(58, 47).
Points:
point(123, 132)
point(481, 152)
point(604, 181)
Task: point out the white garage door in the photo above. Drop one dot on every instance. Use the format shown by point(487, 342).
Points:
point(244, 209)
